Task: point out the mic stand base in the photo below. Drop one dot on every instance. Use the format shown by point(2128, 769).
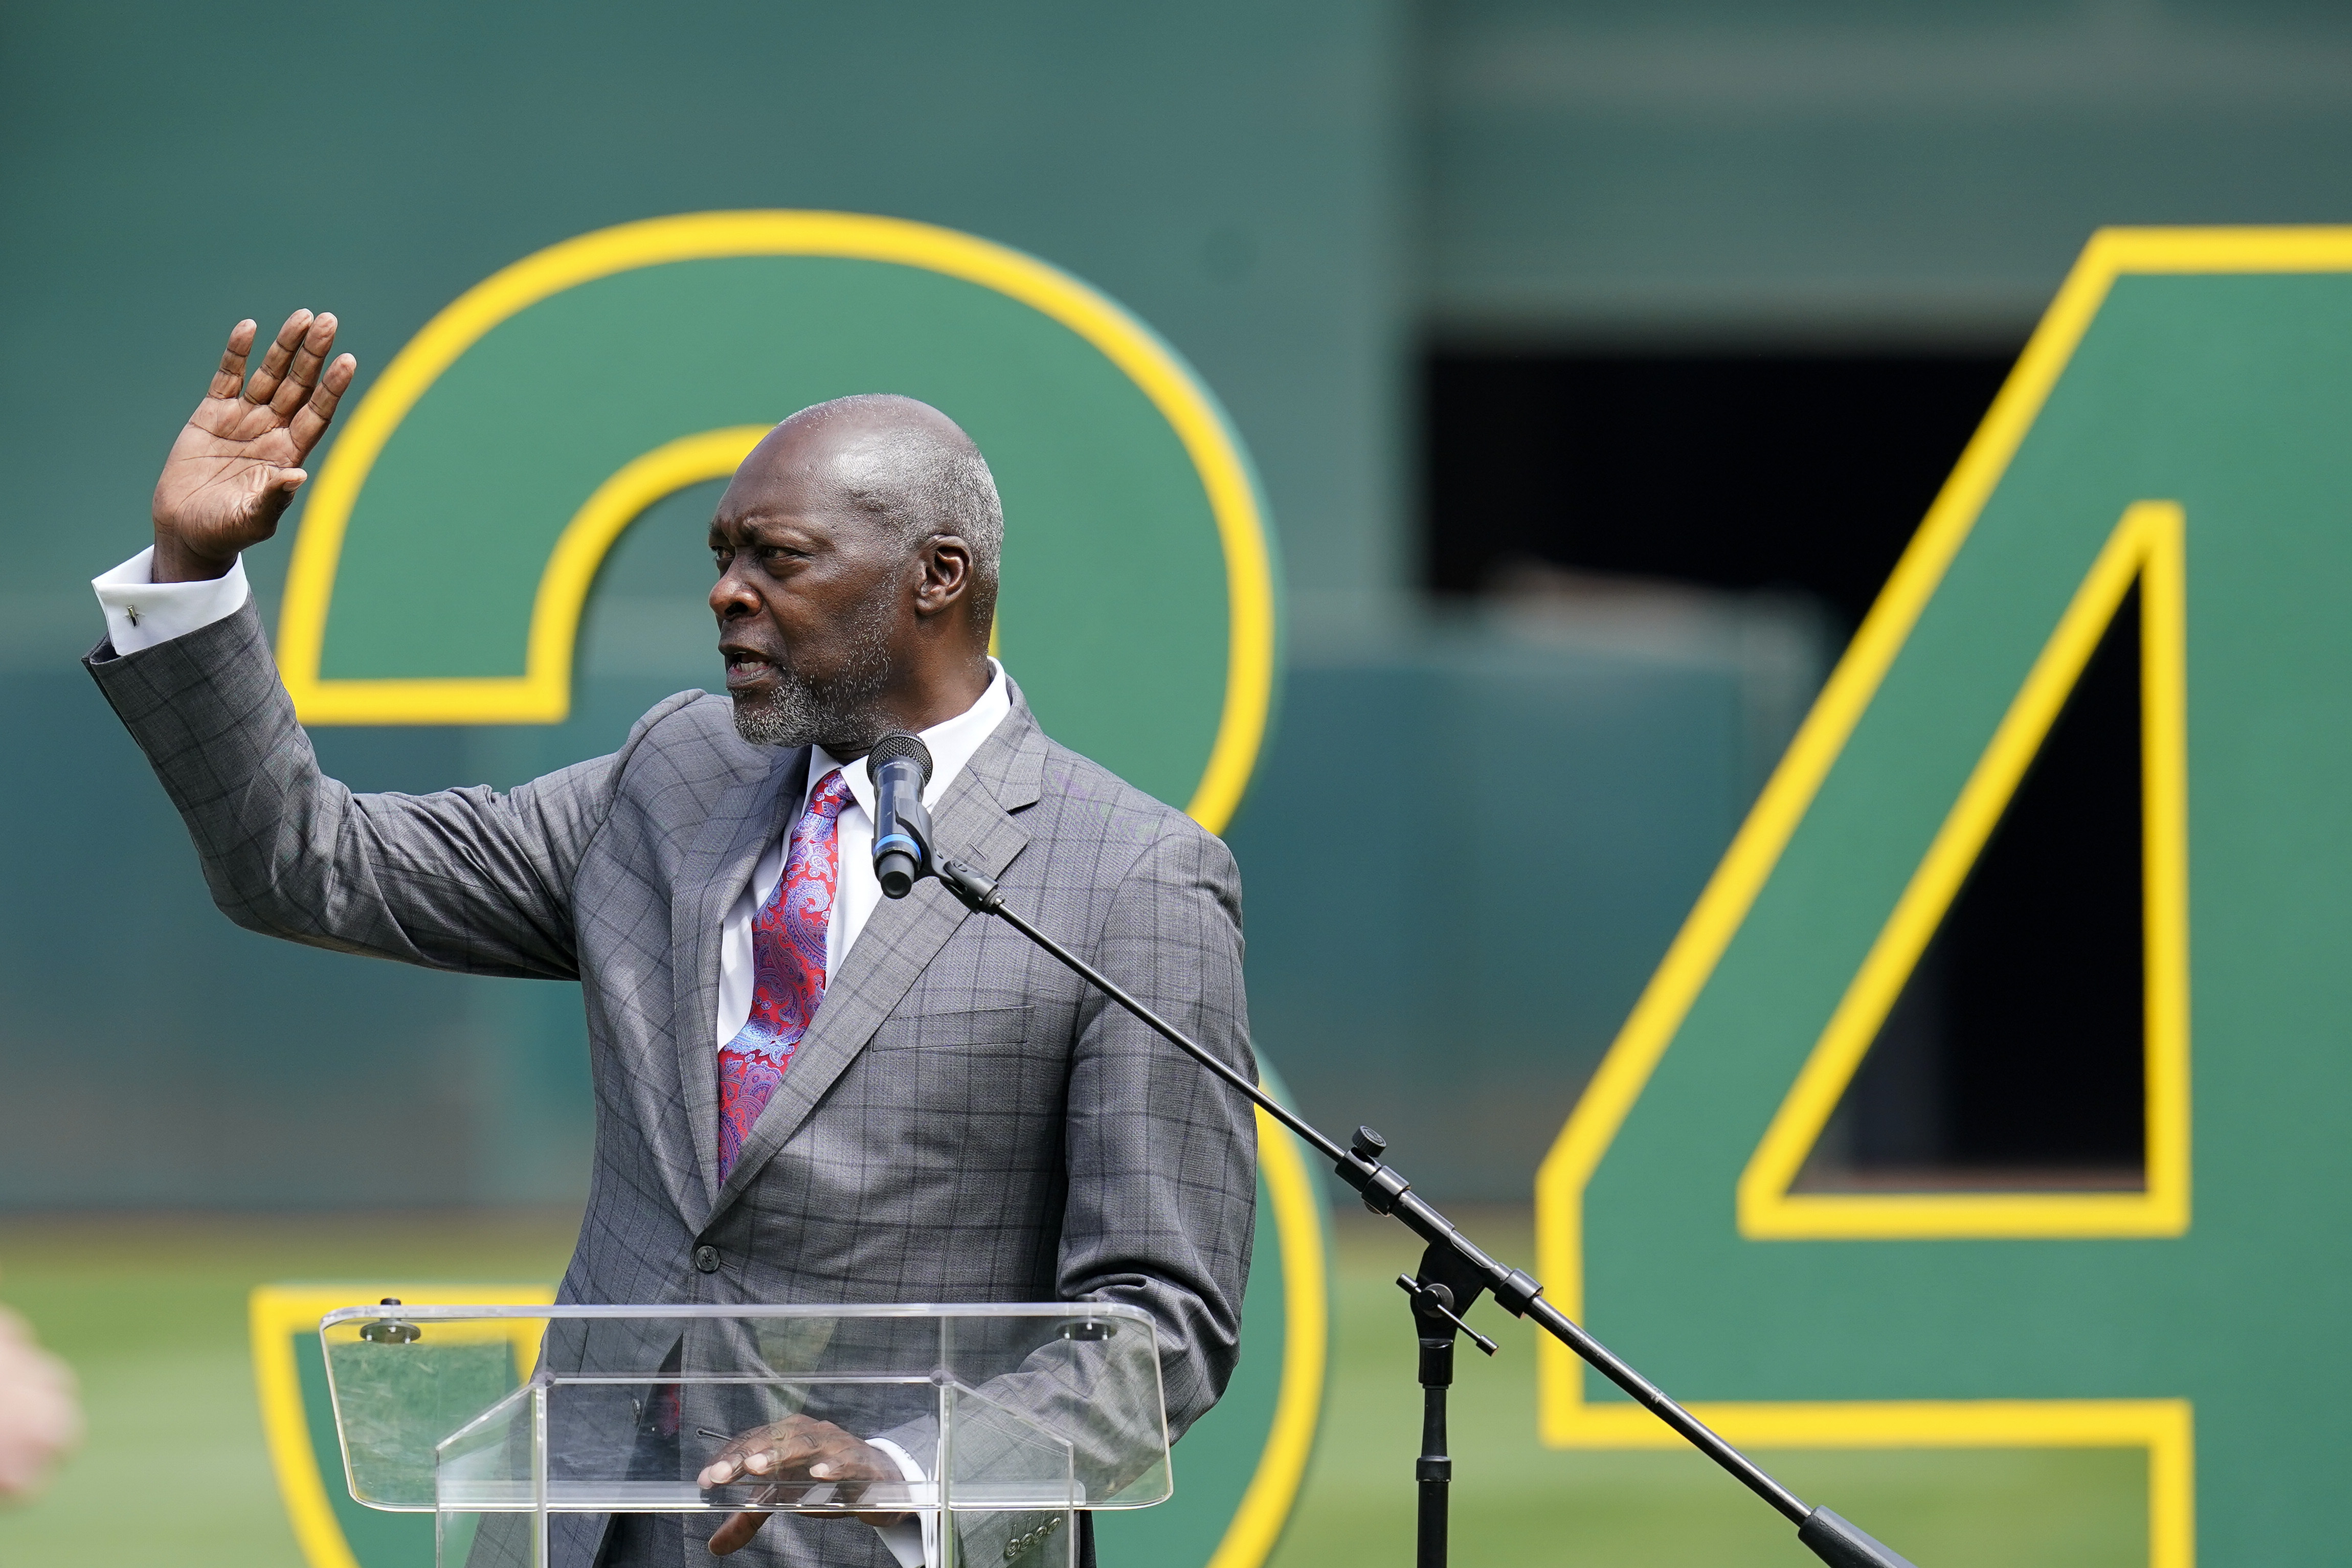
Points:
point(1825, 1534)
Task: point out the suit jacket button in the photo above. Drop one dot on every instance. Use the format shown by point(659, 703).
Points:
point(706, 1259)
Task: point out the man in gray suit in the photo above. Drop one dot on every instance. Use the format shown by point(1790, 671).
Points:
point(804, 1093)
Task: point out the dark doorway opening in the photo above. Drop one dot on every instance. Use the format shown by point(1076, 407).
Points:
point(2015, 1057)
point(1800, 471)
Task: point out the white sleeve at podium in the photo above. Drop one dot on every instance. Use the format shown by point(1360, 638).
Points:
point(909, 1539)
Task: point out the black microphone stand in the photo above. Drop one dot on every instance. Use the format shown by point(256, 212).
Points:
point(1440, 1293)
point(1452, 1272)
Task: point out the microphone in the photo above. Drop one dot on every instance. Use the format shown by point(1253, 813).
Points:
point(900, 765)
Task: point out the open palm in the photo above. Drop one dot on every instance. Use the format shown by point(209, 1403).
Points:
point(238, 460)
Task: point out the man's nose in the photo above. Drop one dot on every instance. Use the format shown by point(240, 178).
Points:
point(732, 596)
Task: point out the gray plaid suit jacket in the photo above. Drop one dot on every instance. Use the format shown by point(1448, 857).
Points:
point(964, 1121)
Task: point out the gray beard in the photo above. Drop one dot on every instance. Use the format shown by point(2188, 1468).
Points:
point(841, 714)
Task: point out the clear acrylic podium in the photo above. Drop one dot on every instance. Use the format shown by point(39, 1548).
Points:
point(499, 1420)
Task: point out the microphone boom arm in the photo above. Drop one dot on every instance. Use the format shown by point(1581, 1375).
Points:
point(1825, 1534)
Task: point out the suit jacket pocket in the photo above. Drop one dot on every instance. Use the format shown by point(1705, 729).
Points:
point(949, 1031)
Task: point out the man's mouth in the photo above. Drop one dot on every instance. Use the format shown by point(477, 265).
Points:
point(745, 668)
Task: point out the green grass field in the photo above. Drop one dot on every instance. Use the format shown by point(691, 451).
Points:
point(151, 1310)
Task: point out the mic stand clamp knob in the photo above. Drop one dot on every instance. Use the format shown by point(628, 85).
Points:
point(1438, 1302)
point(1362, 1170)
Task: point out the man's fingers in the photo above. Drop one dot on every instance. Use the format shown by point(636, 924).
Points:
point(317, 343)
point(311, 421)
point(231, 375)
point(738, 1529)
point(782, 1449)
point(773, 1449)
point(264, 385)
point(737, 1463)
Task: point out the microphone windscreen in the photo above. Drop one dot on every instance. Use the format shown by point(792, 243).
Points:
point(891, 747)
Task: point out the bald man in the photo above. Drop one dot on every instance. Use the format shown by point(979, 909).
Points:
point(805, 1092)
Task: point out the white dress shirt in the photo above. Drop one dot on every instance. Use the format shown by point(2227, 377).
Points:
point(141, 613)
point(855, 891)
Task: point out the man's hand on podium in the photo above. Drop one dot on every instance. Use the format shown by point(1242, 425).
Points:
point(238, 459)
point(797, 1450)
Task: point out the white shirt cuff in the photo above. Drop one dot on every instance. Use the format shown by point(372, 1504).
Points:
point(909, 1539)
point(141, 613)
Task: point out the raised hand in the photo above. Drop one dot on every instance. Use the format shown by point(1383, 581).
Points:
point(238, 459)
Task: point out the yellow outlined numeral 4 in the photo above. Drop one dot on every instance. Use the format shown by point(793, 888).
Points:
point(2177, 424)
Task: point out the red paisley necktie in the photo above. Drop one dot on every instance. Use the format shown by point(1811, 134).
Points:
point(787, 967)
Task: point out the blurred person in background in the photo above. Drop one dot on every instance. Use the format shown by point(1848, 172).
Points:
point(41, 1419)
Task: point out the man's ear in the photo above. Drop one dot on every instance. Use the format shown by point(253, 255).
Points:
point(946, 574)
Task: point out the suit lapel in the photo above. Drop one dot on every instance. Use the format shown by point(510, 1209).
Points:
point(717, 869)
point(974, 825)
